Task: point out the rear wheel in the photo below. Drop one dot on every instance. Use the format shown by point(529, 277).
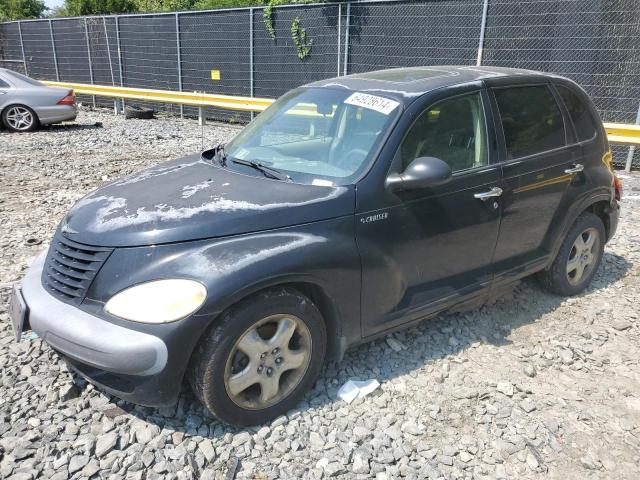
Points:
point(19, 118)
point(260, 359)
point(578, 258)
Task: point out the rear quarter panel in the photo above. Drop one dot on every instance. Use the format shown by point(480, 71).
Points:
point(41, 99)
point(592, 185)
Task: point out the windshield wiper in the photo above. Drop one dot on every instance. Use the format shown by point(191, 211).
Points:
point(266, 170)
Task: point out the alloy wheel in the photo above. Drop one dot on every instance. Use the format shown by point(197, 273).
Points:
point(268, 361)
point(19, 118)
point(583, 256)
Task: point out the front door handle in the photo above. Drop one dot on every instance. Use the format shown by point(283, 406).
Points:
point(577, 168)
point(494, 192)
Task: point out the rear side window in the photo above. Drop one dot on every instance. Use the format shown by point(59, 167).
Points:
point(579, 113)
point(531, 120)
point(4, 84)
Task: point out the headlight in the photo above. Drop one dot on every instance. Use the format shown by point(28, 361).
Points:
point(159, 301)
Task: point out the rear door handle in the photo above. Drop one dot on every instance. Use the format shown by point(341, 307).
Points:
point(577, 168)
point(494, 192)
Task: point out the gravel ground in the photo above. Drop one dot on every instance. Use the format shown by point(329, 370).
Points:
point(530, 386)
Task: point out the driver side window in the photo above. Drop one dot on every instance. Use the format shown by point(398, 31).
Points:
point(452, 130)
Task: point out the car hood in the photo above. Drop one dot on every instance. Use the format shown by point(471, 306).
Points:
point(190, 198)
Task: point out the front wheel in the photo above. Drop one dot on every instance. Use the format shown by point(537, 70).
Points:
point(261, 358)
point(579, 257)
point(19, 118)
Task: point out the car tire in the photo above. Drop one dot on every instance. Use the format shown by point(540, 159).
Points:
point(579, 257)
point(11, 122)
point(246, 370)
point(136, 111)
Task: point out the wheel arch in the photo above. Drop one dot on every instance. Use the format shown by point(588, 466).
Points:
point(597, 204)
point(316, 290)
point(600, 209)
point(18, 104)
point(336, 344)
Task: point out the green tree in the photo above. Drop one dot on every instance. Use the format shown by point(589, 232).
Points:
point(164, 5)
point(76, 8)
point(212, 4)
point(19, 9)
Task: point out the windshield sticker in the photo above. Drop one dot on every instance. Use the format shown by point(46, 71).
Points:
point(372, 102)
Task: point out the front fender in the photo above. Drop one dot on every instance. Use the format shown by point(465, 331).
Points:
point(322, 254)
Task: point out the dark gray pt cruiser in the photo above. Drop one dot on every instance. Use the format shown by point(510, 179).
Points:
point(349, 208)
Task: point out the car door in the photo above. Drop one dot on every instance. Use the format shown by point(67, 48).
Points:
point(541, 160)
point(425, 249)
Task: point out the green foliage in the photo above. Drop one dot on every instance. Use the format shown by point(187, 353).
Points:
point(267, 12)
point(267, 17)
point(18, 9)
point(76, 8)
point(163, 5)
point(299, 36)
point(213, 4)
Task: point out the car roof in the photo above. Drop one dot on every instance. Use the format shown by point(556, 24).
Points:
point(406, 84)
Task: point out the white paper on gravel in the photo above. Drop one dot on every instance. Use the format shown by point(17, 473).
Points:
point(353, 389)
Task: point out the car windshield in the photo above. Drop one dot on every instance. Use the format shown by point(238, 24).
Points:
point(318, 136)
point(25, 79)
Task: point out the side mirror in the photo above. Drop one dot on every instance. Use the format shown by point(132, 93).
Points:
point(423, 172)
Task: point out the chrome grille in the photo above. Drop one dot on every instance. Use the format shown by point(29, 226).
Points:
point(71, 267)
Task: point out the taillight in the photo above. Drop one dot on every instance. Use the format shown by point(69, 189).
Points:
point(617, 185)
point(70, 99)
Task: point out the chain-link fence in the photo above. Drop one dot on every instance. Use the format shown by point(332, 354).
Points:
point(244, 52)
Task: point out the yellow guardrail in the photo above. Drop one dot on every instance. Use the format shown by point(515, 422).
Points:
point(617, 132)
point(623, 133)
point(228, 102)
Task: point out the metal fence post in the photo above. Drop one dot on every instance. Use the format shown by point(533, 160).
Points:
point(113, 82)
point(347, 27)
point(53, 47)
point(339, 28)
point(179, 61)
point(483, 27)
point(24, 59)
point(119, 58)
point(251, 86)
point(89, 57)
point(632, 148)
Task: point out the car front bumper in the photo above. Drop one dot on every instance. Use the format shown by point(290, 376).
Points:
point(130, 364)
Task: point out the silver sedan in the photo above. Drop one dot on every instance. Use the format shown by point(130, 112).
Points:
point(26, 103)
